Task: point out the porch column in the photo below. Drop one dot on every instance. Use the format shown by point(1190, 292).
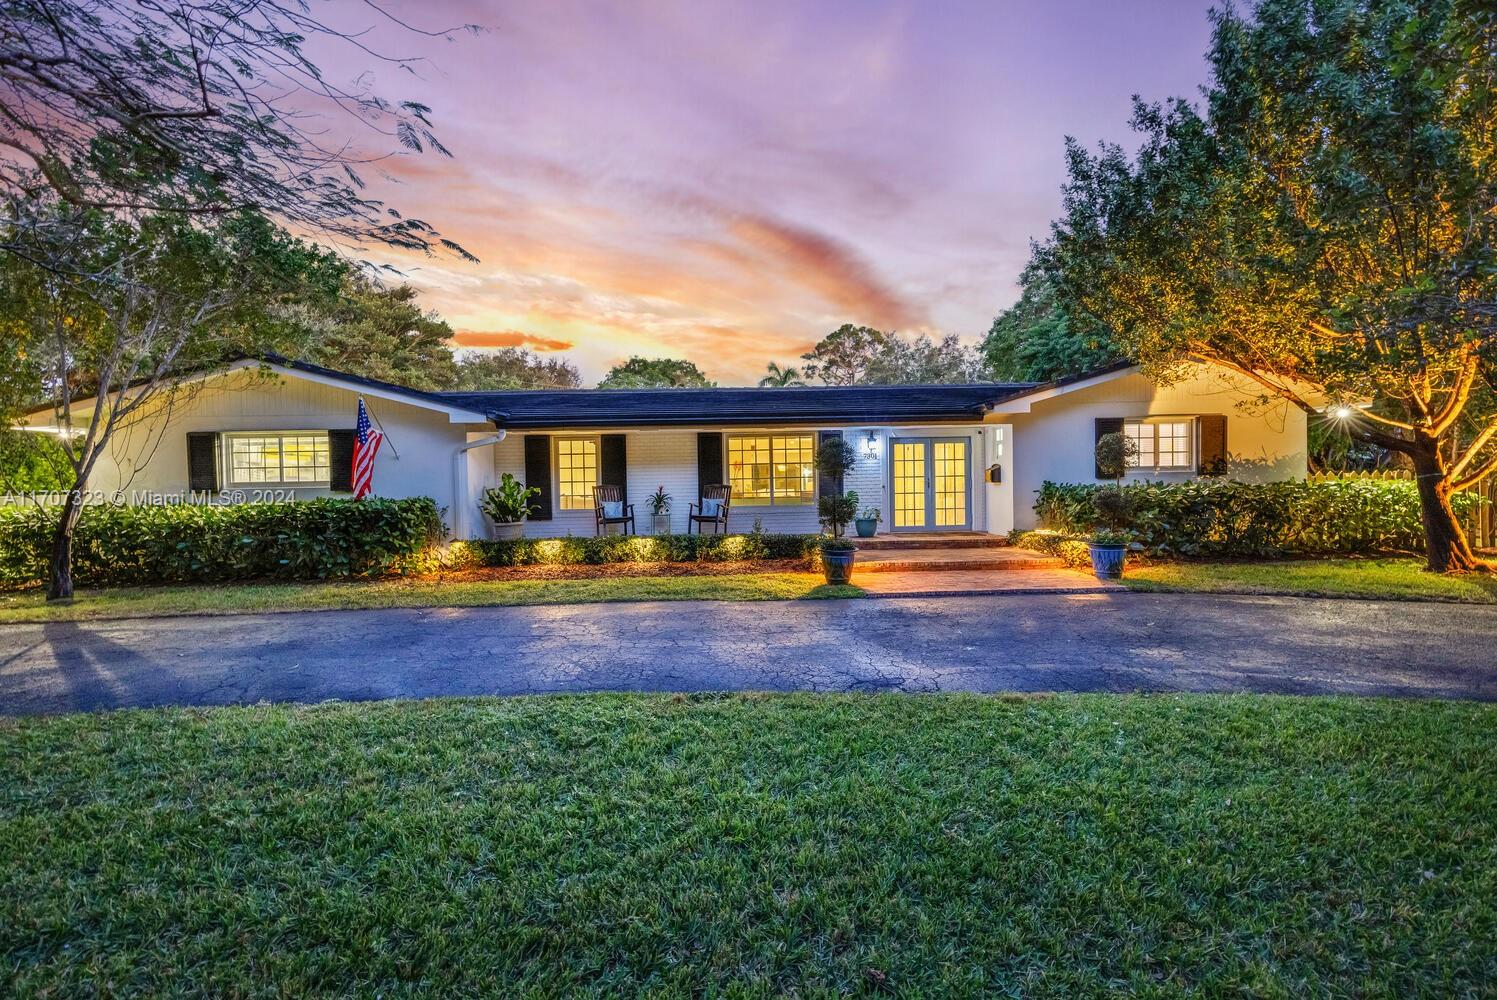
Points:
point(998, 449)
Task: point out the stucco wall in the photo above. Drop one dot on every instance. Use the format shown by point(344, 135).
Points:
point(654, 458)
point(1055, 441)
point(1052, 440)
point(150, 455)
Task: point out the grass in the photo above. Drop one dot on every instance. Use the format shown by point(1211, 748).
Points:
point(248, 598)
point(755, 845)
point(1398, 579)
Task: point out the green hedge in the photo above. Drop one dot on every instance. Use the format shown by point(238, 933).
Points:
point(186, 543)
point(1073, 551)
point(639, 549)
point(1221, 517)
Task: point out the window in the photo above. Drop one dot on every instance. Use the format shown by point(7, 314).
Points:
point(577, 465)
point(279, 459)
point(1166, 443)
point(772, 470)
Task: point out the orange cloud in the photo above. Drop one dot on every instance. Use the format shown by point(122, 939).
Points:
point(508, 338)
point(829, 268)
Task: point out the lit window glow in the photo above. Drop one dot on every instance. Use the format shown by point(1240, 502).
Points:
point(279, 459)
point(577, 464)
point(1167, 443)
point(772, 470)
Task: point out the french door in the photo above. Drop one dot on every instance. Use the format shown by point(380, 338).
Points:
point(931, 484)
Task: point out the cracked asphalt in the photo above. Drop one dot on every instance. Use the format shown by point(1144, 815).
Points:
point(1044, 642)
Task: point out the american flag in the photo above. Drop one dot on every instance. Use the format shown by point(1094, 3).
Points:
point(366, 442)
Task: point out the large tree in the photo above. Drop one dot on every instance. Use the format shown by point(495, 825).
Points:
point(514, 368)
point(1035, 340)
point(117, 313)
point(861, 355)
point(205, 107)
point(1324, 227)
point(843, 356)
point(383, 333)
point(655, 373)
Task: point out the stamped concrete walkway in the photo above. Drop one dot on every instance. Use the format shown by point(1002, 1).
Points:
point(1077, 642)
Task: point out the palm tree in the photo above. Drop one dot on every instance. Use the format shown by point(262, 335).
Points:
point(781, 378)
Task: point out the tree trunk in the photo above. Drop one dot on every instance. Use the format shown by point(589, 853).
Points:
point(1445, 546)
point(60, 574)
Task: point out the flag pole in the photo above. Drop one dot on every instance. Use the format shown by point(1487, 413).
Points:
point(393, 450)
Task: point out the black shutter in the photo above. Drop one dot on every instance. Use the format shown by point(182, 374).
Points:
point(538, 474)
point(1213, 444)
point(613, 463)
point(202, 462)
point(1104, 425)
point(709, 460)
point(828, 486)
point(340, 461)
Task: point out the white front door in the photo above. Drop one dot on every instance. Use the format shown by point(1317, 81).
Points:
point(931, 484)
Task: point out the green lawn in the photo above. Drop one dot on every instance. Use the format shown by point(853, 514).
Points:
point(242, 598)
point(1389, 578)
point(1238, 846)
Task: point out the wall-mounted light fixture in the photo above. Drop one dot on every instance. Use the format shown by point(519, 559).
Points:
point(870, 445)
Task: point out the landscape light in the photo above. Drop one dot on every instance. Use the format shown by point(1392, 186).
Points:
point(1343, 412)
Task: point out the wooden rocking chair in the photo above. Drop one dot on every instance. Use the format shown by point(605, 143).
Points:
point(609, 495)
point(698, 514)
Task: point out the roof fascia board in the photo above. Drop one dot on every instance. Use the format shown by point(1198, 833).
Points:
point(742, 423)
point(455, 415)
point(1024, 402)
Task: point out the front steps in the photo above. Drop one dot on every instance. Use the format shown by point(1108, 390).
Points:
point(938, 553)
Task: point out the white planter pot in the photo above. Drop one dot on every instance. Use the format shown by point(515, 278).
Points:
point(499, 530)
point(660, 524)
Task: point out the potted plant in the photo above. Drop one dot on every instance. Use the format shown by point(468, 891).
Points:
point(837, 553)
point(867, 522)
point(660, 511)
point(837, 556)
point(1113, 507)
point(507, 506)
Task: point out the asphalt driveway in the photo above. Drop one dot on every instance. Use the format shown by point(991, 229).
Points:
point(1076, 642)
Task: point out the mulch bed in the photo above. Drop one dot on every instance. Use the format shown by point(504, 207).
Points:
point(589, 572)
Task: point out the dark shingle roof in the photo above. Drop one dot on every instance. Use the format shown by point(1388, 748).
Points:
point(857, 404)
point(664, 407)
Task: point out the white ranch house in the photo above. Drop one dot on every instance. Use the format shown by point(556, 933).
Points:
point(932, 458)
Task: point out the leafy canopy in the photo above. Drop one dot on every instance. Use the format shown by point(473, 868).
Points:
point(1323, 226)
point(861, 355)
point(655, 373)
point(202, 107)
point(1036, 340)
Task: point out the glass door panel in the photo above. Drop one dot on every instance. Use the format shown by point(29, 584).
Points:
point(931, 483)
point(949, 486)
point(909, 483)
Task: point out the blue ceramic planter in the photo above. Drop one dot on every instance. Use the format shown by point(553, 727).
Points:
point(1107, 560)
point(837, 565)
point(867, 527)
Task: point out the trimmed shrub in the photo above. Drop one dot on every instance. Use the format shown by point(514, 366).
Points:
point(1074, 552)
point(199, 543)
point(1221, 517)
point(642, 549)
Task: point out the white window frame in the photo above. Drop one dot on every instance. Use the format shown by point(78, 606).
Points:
point(1192, 428)
point(229, 437)
point(774, 499)
point(561, 496)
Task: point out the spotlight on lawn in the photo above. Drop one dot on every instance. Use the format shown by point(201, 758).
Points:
point(1342, 413)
